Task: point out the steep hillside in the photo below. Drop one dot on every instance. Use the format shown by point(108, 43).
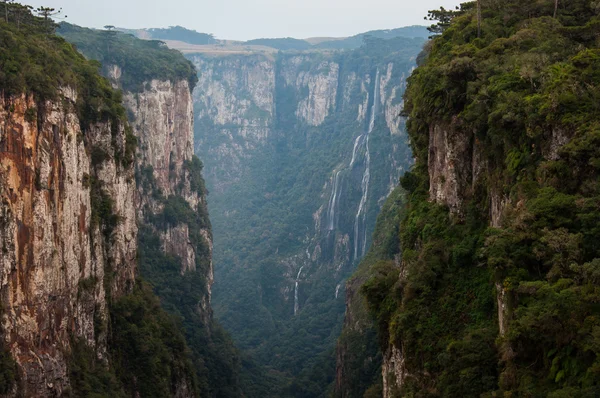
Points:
point(68, 232)
point(175, 239)
point(301, 151)
point(358, 357)
point(497, 288)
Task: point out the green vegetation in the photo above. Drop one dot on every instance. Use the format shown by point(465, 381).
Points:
point(8, 371)
point(180, 33)
point(194, 168)
point(355, 42)
point(89, 377)
point(34, 61)
point(147, 352)
point(263, 222)
point(215, 360)
point(526, 92)
point(358, 342)
point(140, 60)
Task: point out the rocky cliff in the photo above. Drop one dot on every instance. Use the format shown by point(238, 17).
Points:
point(68, 233)
point(496, 245)
point(301, 150)
point(175, 239)
point(162, 118)
point(81, 210)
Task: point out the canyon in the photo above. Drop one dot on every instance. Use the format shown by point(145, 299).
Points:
point(301, 151)
point(389, 216)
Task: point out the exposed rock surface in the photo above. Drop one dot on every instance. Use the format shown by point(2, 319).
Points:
point(239, 100)
point(162, 118)
point(56, 263)
point(393, 371)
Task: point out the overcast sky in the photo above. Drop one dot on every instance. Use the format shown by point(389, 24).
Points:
point(248, 19)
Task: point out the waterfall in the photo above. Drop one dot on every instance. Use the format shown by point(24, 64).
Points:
point(360, 239)
point(333, 202)
point(296, 306)
point(337, 289)
point(356, 143)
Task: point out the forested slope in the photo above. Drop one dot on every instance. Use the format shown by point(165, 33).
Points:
point(497, 289)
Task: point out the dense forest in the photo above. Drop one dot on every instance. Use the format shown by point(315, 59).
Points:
point(497, 289)
point(139, 60)
point(181, 34)
point(347, 43)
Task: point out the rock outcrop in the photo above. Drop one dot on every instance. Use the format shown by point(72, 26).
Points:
point(162, 118)
point(60, 257)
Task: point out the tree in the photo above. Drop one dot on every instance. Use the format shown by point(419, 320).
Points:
point(443, 16)
point(555, 8)
point(21, 12)
point(6, 2)
point(48, 13)
point(110, 36)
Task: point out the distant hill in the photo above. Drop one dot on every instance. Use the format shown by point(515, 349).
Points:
point(177, 33)
point(283, 44)
point(187, 40)
point(357, 40)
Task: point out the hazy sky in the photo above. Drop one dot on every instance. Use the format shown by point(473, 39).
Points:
point(248, 19)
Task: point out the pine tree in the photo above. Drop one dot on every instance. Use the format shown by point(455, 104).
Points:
point(47, 13)
point(110, 36)
point(6, 2)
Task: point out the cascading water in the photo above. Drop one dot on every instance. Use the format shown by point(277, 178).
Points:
point(337, 290)
point(296, 305)
point(333, 200)
point(357, 142)
point(360, 234)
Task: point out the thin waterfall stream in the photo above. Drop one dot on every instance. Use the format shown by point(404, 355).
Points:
point(333, 200)
point(360, 234)
point(296, 305)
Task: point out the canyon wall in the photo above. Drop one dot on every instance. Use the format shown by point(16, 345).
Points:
point(89, 201)
point(301, 151)
point(495, 246)
point(63, 252)
point(175, 237)
point(161, 116)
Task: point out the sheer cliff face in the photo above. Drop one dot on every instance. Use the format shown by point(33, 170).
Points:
point(59, 262)
point(300, 152)
point(162, 119)
point(235, 108)
point(238, 102)
point(245, 106)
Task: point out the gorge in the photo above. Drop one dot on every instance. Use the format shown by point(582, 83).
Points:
point(301, 150)
point(383, 215)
